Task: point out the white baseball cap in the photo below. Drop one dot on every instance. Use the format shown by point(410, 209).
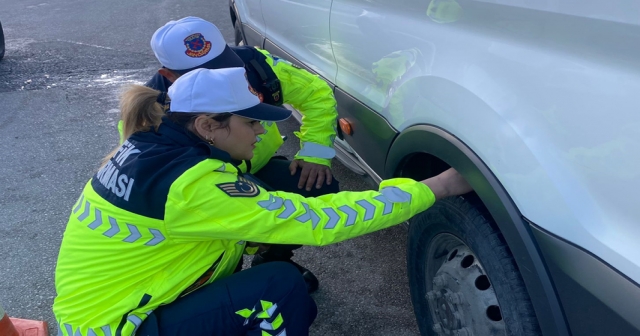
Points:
point(221, 91)
point(191, 43)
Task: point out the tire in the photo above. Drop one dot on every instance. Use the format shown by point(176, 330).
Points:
point(463, 278)
point(1, 42)
point(239, 38)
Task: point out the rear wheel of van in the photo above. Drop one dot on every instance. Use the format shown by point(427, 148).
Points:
point(463, 278)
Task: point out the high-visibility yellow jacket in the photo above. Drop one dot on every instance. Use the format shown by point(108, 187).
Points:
point(169, 214)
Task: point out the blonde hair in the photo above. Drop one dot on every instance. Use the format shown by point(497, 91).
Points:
point(139, 112)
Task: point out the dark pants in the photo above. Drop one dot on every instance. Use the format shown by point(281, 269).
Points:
point(275, 175)
point(213, 309)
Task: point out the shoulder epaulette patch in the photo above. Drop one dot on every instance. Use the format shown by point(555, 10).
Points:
point(240, 188)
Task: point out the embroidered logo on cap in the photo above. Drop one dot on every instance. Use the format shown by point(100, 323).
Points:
point(196, 45)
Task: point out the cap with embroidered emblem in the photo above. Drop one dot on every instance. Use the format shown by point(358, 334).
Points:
point(221, 91)
point(191, 43)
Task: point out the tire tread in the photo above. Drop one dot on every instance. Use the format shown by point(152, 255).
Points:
point(471, 217)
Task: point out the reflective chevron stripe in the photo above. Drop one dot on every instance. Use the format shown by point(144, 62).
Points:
point(158, 238)
point(388, 206)
point(267, 314)
point(334, 218)
point(266, 325)
point(263, 310)
point(289, 209)
point(97, 221)
point(134, 234)
point(106, 330)
point(79, 204)
point(87, 210)
point(222, 168)
point(352, 214)
point(267, 309)
point(369, 208)
point(266, 203)
point(312, 149)
point(309, 215)
point(396, 195)
point(277, 204)
point(136, 322)
point(114, 227)
point(273, 203)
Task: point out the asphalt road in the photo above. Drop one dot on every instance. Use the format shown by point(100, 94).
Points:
point(66, 60)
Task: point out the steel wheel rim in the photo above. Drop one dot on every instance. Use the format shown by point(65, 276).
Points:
point(461, 299)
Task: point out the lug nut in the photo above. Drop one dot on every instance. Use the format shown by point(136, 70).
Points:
point(439, 281)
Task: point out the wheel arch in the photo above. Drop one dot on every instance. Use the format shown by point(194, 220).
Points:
point(421, 151)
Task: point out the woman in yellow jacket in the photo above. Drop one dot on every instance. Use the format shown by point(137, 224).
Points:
point(192, 43)
point(152, 243)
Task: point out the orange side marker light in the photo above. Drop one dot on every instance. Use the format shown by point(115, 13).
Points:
point(345, 126)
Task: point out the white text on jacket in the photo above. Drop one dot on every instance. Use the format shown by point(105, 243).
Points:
point(110, 177)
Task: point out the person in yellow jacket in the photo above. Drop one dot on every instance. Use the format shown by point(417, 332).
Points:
point(153, 241)
point(192, 43)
